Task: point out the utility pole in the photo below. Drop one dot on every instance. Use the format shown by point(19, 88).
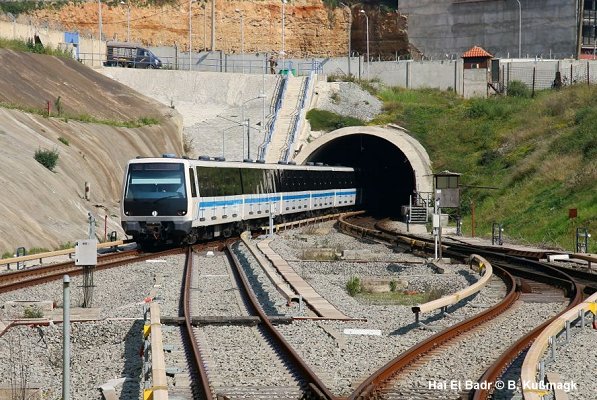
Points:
point(213, 25)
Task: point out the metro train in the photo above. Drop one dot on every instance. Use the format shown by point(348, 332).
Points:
point(180, 200)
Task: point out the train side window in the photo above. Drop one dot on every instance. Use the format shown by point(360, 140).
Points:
point(229, 182)
point(203, 178)
point(192, 179)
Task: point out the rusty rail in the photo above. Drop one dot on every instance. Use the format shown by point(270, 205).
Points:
point(56, 253)
point(493, 373)
point(318, 388)
point(378, 378)
point(42, 274)
point(204, 391)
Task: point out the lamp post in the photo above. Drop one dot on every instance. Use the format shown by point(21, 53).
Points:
point(349, 31)
point(99, 13)
point(242, 118)
point(213, 25)
point(367, 38)
point(128, 20)
point(242, 40)
point(519, 29)
point(205, 26)
point(190, 33)
point(283, 51)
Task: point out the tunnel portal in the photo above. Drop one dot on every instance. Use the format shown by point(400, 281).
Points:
point(391, 165)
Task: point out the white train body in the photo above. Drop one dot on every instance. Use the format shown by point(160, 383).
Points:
point(186, 200)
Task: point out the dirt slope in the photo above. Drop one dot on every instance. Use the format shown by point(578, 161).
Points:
point(40, 208)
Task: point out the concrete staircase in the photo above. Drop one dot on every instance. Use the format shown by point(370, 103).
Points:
point(285, 119)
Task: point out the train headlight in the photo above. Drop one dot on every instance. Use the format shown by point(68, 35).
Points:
point(126, 213)
point(181, 212)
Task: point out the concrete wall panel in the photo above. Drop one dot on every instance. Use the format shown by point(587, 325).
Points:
point(446, 27)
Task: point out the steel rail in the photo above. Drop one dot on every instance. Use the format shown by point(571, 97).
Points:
point(204, 391)
point(493, 373)
point(385, 373)
point(35, 276)
point(318, 387)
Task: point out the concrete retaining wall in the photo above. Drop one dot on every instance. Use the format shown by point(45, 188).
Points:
point(92, 50)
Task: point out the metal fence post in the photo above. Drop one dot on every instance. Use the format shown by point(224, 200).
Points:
point(66, 338)
point(534, 77)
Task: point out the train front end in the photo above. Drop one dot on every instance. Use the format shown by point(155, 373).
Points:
point(155, 205)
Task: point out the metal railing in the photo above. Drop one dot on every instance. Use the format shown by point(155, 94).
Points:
point(215, 62)
point(262, 150)
point(298, 118)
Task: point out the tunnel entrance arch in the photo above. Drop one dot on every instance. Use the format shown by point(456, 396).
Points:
point(392, 164)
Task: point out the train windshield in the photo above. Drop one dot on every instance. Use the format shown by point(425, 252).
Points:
point(155, 181)
point(156, 187)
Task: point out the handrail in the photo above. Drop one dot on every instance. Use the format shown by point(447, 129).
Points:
point(298, 118)
point(292, 126)
point(485, 270)
point(56, 253)
point(531, 388)
point(272, 124)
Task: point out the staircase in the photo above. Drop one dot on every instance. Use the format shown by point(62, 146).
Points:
point(418, 215)
point(285, 119)
point(418, 208)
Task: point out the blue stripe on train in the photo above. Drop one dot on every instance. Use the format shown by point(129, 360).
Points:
point(220, 203)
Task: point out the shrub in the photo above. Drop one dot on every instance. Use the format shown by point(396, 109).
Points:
point(518, 89)
point(47, 158)
point(37, 250)
point(393, 286)
point(33, 312)
point(353, 286)
point(64, 140)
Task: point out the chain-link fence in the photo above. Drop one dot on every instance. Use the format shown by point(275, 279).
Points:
point(549, 74)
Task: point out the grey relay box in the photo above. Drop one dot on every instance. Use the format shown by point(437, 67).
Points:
point(86, 252)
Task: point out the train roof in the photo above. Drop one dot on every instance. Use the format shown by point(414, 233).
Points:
point(237, 164)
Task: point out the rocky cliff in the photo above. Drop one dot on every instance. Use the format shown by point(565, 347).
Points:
point(310, 28)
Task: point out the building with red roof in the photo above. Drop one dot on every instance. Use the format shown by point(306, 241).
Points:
point(476, 57)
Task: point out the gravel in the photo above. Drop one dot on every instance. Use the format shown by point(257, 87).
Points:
point(465, 360)
point(341, 359)
point(103, 349)
point(576, 362)
point(349, 99)
point(100, 351)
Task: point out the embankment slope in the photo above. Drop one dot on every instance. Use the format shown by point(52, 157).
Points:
point(43, 208)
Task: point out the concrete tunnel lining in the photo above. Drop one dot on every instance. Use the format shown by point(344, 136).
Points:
point(402, 144)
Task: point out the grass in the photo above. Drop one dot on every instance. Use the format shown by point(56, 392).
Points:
point(23, 7)
point(30, 47)
point(33, 312)
point(402, 298)
point(322, 120)
point(537, 153)
point(136, 123)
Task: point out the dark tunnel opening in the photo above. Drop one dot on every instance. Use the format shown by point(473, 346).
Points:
point(385, 174)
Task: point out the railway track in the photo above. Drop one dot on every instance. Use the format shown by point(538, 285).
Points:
point(34, 276)
point(530, 274)
point(254, 329)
